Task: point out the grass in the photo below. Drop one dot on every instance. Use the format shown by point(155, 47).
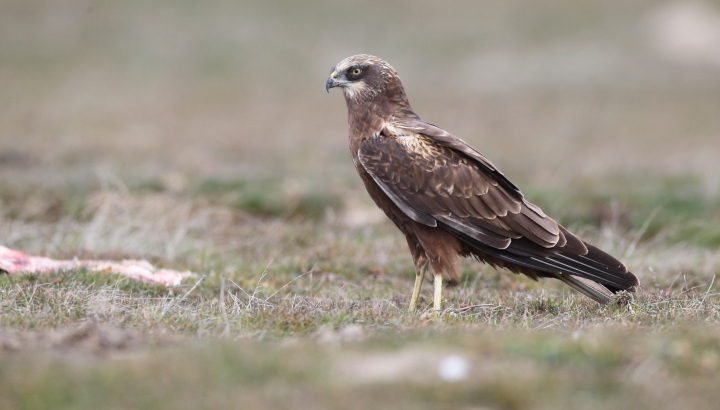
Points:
point(268, 197)
point(201, 139)
point(278, 311)
point(561, 370)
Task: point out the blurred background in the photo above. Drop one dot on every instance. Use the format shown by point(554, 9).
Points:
point(615, 101)
point(198, 135)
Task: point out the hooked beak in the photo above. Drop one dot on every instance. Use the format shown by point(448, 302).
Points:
point(333, 81)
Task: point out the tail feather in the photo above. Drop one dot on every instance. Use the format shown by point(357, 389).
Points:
point(593, 290)
point(595, 274)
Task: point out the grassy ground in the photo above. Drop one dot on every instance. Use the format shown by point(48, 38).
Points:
point(200, 137)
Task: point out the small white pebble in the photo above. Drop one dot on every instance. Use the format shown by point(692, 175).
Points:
point(576, 335)
point(453, 368)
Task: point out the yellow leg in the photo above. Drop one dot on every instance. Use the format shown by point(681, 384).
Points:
point(419, 276)
point(416, 292)
point(437, 305)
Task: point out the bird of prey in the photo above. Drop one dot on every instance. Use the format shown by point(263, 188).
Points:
point(451, 201)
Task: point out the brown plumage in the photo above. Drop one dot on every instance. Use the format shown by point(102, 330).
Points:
point(451, 201)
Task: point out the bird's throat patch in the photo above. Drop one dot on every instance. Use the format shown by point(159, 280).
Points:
point(356, 90)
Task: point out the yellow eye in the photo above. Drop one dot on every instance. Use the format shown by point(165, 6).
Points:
point(356, 71)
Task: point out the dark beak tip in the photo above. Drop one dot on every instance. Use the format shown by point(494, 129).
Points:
point(329, 84)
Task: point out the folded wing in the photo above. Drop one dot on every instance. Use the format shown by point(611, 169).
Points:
point(437, 179)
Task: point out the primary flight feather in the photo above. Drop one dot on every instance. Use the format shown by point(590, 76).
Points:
point(451, 201)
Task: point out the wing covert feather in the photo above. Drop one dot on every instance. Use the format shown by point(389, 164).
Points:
point(436, 182)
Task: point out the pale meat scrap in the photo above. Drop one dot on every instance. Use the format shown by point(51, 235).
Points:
point(17, 263)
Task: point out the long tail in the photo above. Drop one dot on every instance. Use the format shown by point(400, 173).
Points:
point(595, 273)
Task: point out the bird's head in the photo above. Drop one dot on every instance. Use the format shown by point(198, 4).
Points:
point(363, 77)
